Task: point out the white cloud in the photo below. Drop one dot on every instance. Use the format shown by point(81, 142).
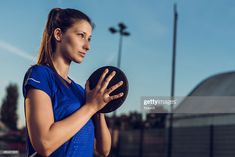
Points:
point(4, 46)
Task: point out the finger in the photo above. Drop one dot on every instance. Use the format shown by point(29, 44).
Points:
point(87, 85)
point(114, 97)
point(114, 87)
point(107, 80)
point(102, 78)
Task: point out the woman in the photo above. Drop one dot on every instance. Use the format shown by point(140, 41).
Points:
point(61, 117)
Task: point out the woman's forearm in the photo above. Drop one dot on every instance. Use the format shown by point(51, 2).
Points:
point(102, 134)
point(61, 131)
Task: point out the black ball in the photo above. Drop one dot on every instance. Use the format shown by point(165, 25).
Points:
point(119, 76)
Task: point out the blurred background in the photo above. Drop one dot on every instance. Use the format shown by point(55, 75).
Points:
point(204, 66)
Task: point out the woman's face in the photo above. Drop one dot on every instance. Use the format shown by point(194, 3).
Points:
point(75, 42)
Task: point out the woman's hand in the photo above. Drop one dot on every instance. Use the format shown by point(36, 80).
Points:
point(99, 96)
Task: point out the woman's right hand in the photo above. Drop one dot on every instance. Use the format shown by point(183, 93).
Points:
point(98, 97)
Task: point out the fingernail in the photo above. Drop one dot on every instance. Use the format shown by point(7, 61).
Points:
point(121, 82)
point(106, 70)
point(114, 72)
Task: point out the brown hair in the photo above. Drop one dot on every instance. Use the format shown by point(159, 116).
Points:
point(57, 18)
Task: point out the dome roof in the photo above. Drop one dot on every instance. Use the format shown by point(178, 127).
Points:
point(214, 95)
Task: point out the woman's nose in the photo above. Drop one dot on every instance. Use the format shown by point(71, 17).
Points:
point(87, 45)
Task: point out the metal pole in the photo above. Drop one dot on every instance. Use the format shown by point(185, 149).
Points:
point(120, 51)
point(119, 59)
point(172, 84)
point(122, 33)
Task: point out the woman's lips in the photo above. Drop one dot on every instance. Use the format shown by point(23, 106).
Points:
point(82, 54)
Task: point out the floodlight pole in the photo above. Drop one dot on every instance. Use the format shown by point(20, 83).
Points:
point(169, 154)
point(122, 32)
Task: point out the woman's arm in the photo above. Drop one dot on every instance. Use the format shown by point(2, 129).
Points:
point(45, 134)
point(102, 135)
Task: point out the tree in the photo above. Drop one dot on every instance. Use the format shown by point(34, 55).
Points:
point(9, 107)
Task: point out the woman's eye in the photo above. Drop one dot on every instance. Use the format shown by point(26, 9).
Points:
point(82, 35)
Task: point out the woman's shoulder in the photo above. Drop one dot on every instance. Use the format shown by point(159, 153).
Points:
point(39, 72)
point(39, 68)
point(39, 77)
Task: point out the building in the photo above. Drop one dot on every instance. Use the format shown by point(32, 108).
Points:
point(204, 122)
point(212, 102)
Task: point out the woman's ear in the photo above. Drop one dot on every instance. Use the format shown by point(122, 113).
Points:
point(58, 34)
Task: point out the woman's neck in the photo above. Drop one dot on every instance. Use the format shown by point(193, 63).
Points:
point(62, 66)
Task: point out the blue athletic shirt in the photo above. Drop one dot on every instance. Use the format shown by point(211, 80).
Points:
point(65, 101)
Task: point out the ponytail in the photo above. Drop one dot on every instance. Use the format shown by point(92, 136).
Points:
point(48, 44)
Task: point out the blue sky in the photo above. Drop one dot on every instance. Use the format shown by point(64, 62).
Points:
point(205, 42)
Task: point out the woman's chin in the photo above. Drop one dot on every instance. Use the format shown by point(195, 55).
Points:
point(80, 60)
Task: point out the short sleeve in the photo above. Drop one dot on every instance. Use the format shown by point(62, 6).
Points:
point(37, 77)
